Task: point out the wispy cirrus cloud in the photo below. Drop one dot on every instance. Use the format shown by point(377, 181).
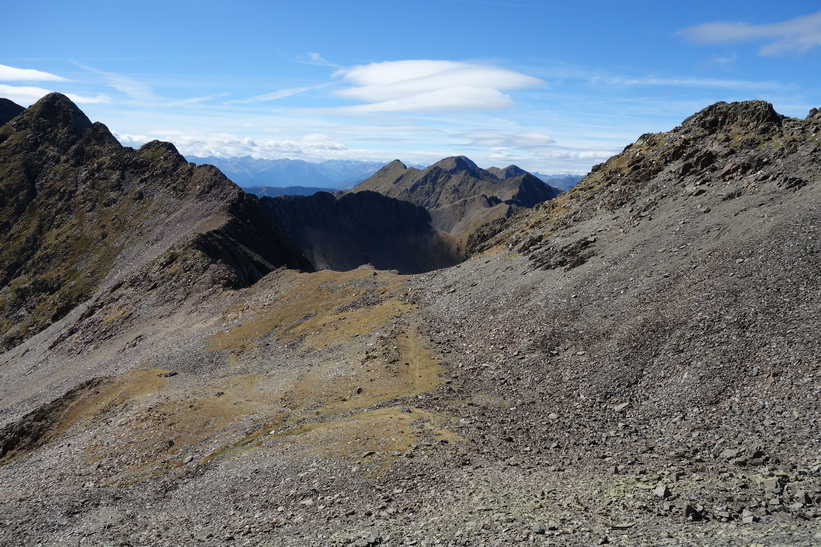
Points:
point(14, 74)
point(134, 89)
point(429, 86)
point(715, 83)
point(26, 95)
point(277, 95)
point(799, 34)
point(498, 139)
point(142, 93)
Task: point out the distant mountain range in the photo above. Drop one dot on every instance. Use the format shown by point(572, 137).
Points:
point(302, 178)
point(249, 172)
point(562, 182)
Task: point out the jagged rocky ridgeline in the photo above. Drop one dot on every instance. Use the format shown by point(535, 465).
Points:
point(459, 195)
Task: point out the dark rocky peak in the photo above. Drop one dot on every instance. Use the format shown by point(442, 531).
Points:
point(392, 172)
point(160, 146)
point(726, 152)
point(55, 111)
point(9, 110)
point(758, 116)
point(507, 172)
point(532, 190)
point(54, 124)
point(455, 164)
point(77, 211)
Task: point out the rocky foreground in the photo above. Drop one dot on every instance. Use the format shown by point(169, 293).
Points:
point(636, 362)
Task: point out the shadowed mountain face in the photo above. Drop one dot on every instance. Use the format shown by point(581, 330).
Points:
point(78, 213)
point(9, 110)
point(363, 228)
point(459, 195)
point(635, 362)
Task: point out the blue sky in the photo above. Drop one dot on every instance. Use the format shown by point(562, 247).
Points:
point(554, 87)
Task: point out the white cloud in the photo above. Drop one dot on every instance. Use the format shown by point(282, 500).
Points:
point(522, 140)
point(427, 85)
point(12, 74)
point(723, 61)
point(799, 34)
point(134, 89)
point(134, 141)
point(226, 145)
point(276, 95)
point(27, 95)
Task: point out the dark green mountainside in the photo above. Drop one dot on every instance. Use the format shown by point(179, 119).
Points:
point(79, 212)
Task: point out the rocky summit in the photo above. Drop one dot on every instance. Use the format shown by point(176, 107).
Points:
point(634, 362)
point(460, 196)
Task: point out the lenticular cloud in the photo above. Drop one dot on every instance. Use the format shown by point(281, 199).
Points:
point(431, 85)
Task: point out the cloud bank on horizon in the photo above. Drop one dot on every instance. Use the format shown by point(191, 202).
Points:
point(498, 97)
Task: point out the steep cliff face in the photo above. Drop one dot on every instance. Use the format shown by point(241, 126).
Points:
point(79, 212)
point(363, 228)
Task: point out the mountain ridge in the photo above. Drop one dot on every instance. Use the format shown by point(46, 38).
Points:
point(460, 195)
point(634, 362)
point(71, 196)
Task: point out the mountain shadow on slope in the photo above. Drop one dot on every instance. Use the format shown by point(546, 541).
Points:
point(79, 212)
point(363, 228)
point(9, 110)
